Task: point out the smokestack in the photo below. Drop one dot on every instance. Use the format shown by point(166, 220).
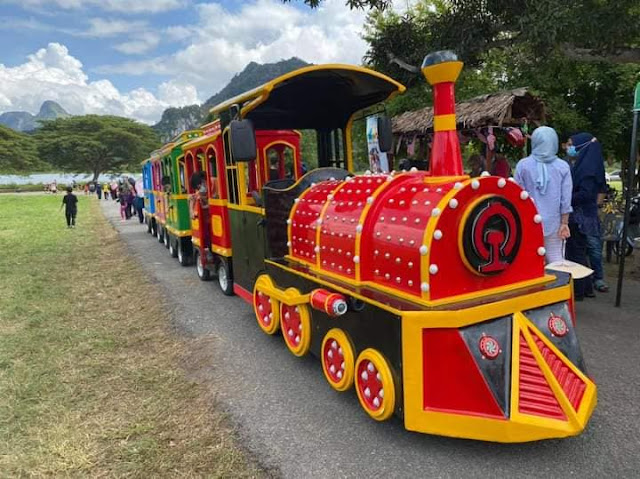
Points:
point(441, 69)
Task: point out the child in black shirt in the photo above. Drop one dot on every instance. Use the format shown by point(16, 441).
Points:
point(70, 202)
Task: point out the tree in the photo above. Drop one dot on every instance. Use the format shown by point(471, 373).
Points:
point(361, 4)
point(508, 44)
point(95, 144)
point(18, 152)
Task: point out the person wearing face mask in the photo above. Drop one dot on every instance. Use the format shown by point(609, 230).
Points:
point(589, 181)
point(547, 179)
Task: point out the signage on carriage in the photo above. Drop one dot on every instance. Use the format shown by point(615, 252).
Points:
point(212, 128)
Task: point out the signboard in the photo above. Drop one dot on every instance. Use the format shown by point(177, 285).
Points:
point(636, 99)
point(378, 161)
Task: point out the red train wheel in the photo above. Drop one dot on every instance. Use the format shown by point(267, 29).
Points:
point(338, 359)
point(295, 322)
point(265, 307)
point(374, 385)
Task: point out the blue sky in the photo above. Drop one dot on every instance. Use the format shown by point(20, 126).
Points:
point(136, 57)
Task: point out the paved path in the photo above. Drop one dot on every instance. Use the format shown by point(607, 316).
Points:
point(293, 421)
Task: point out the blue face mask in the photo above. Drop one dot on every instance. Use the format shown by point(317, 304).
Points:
point(571, 151)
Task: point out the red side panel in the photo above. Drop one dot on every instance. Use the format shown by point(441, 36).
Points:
point(536, 397)
point(452, 380)
point(571, 384)
point(304, 220)
point(394, 232)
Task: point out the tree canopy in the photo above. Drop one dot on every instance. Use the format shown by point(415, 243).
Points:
point(361, 4)
point(578, 56)
point(95, 144)
point(17, 152)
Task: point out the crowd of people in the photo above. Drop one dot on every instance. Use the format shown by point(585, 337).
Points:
point(127, 191)
point(567, 193)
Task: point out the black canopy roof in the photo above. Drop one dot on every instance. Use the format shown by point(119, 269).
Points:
point(315, 97)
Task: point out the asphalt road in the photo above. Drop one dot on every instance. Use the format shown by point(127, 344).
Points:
point(289, 417)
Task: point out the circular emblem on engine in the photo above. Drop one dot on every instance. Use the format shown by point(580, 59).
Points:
point(491, 236)
point(557, 325)
point(489, 347)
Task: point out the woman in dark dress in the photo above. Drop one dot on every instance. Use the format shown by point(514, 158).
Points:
point(587, 171)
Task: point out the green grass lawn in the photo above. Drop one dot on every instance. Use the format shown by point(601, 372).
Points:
point(90, 375)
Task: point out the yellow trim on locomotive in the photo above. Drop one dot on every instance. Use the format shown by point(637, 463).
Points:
point(363, 217)
point(321, 216)
point(518, 427)
point(443, 72)
point(443, 317)
point(444, 122)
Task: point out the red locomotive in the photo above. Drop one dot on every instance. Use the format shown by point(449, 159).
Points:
point(425, 291)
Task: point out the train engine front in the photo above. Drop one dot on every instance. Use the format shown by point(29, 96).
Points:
point(461, 332)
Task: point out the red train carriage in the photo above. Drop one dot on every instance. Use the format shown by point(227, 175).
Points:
point(231, 186)
point(424, 291)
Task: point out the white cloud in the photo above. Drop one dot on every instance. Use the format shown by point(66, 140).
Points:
point(223, 41)
point(139, 44)
point(53, 74)
point(101, 28)
point(123, 6)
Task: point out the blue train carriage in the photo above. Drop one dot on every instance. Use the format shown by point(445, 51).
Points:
point(149, 199)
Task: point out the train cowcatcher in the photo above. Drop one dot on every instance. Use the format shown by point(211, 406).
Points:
point(425, 291)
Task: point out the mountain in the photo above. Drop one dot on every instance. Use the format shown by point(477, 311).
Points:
point(176, 120)
point(24, 121)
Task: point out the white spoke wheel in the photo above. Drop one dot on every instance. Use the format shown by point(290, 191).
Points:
point(159, 234)
point(167, 239)
point(203, 273)
point(375, 385)
point(295, 322)
point(225, 278)
point(172, 249)
point(338, 359)
point(267, 308)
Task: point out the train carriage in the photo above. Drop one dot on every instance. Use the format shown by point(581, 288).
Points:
point(227, 186)
point(149, 201)
point(425, 291)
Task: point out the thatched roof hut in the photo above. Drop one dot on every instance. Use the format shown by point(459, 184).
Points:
point(505, 108)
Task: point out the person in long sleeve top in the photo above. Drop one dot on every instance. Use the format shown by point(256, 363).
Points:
point(588, 176)
point(547, 179)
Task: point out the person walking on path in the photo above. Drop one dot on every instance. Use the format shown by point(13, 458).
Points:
point(70, 203)
point(99, 190)
point(547, 179)
point(589, 180)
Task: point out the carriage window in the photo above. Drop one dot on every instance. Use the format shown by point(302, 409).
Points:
point(183, 188)
point(250, 177)
point(289, 163)
point(281, 162)
point(232, 170)
point(213, 173)
point(273, 160)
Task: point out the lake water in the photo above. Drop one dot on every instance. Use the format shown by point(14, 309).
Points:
point(60, 178)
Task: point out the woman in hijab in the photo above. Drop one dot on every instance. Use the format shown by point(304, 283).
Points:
point(547, 178)
point(587, 172)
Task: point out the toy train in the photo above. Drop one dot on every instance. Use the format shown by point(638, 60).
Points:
point(425, 291)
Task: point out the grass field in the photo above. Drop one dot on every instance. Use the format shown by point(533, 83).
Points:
point(90, 375)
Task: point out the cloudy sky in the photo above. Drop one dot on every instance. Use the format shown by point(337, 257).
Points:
point(136, 57)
